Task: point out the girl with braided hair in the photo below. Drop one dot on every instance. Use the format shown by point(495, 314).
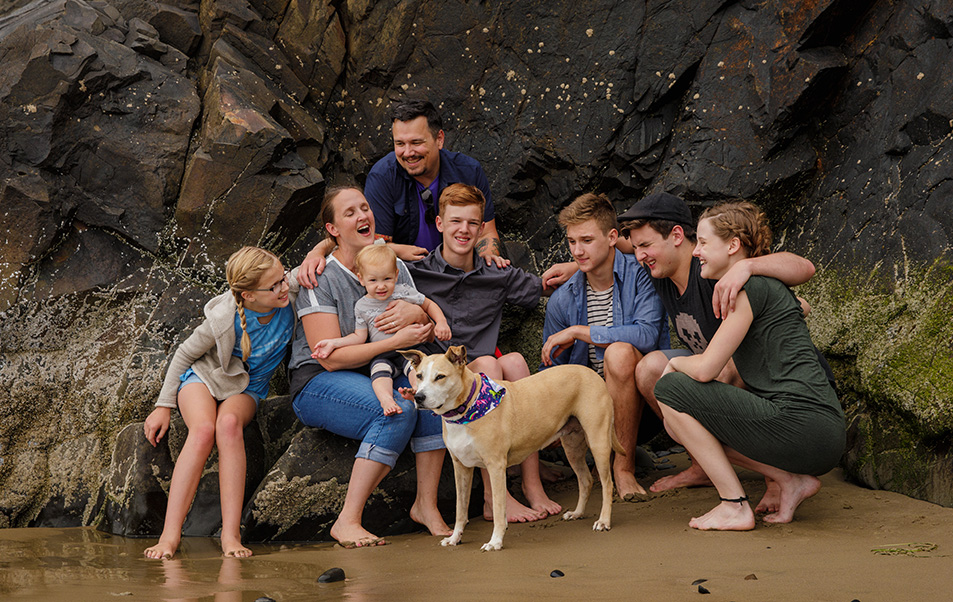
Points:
point(787, 423)
point(216, 379)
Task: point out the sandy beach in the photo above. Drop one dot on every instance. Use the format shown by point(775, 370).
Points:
point(847, 543)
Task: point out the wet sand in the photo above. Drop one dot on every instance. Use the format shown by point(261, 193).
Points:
point(847, 543)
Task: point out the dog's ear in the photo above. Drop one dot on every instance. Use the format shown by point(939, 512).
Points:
point(457, 355)
point(413, 356)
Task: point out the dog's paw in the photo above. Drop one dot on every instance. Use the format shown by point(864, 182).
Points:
point(571, 515)
point(450, 541)
point(492, 546)
point(601, 526)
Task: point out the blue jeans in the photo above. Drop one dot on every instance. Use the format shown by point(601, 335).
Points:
point(344, 403)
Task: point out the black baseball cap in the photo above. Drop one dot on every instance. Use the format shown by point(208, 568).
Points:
point(660, 206)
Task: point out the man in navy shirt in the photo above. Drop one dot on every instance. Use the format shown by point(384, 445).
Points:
point(403, 190)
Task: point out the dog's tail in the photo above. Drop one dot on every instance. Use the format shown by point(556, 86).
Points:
point(616, 444)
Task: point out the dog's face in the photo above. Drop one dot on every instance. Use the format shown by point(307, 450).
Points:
point(440, 378)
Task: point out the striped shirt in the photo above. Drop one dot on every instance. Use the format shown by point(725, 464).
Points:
point(599, 308)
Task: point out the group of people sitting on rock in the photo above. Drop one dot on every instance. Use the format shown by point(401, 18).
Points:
point(414, 260)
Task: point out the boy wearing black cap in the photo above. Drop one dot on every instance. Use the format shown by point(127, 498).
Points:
point(660, 229)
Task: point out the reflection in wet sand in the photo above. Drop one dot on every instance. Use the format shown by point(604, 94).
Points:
point(828, 553)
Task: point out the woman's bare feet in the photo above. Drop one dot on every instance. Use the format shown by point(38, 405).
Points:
point(163, 550)
point(693, 476)
point(793, 492)
point(233, 548)
point(354, 536)
point(431, 519)
point(515, 511)
point(726, 516)
point(771, 501)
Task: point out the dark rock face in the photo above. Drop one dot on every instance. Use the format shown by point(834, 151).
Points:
point(142, 142)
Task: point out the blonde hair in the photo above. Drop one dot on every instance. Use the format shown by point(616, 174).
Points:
point(741, 220)
point(462, 195)
point(590, 206)
point(243, 271)
point(375, 256)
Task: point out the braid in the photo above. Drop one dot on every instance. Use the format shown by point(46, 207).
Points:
point(246, 340)
point(744, 221)
point(243, 270)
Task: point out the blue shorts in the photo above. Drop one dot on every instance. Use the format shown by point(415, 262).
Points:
point(191, 377)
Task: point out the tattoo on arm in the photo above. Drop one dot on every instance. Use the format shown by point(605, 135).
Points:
point(489, 245)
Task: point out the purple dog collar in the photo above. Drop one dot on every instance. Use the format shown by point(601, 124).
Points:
point(487, 399)
point(463, 406)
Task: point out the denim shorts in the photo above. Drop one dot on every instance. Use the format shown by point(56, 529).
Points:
point(344, 403)
point(191, 377)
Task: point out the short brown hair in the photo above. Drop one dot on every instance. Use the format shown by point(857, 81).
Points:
point(590, 206)
point(461, 195)
point(375, 256)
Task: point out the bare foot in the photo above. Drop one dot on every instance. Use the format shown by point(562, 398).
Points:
point(234, 549)
point(693, 476)
point(726, 516)
point(515, 511)
point(771, 501)
point(163, 550)
point(431, 519)
point(627, 486)
point(793, 493)
point(407, 393)
point(354, 536)
point(540, 502)
point(390, 407)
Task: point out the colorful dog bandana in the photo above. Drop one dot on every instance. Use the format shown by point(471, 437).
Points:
point(489, 396)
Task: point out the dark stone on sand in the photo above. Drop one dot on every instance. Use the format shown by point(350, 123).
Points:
point(703, 590)
point(264, 599)
point(556, 573)
point(697, 581)
point(331, 575)
point(751, 577)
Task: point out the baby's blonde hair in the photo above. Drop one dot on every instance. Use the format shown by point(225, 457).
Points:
point(243, 271)
point(375, 256)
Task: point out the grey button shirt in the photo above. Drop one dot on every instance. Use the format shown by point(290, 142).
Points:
point(473, 301)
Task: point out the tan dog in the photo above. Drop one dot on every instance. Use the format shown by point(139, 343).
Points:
point(533, 413)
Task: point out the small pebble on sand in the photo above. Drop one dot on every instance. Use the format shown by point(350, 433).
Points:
point(331, 575)
point(556, 573)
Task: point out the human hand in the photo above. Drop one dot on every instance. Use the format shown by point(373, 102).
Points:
point(157, 425)
point(727, 288)
point(558, 274)
point(397, 315)
point(442, 331)
point(312, 266)
point(413, 335)
point(555, 345)
point(491, 258)
point(409, 252)
point(323, 349)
